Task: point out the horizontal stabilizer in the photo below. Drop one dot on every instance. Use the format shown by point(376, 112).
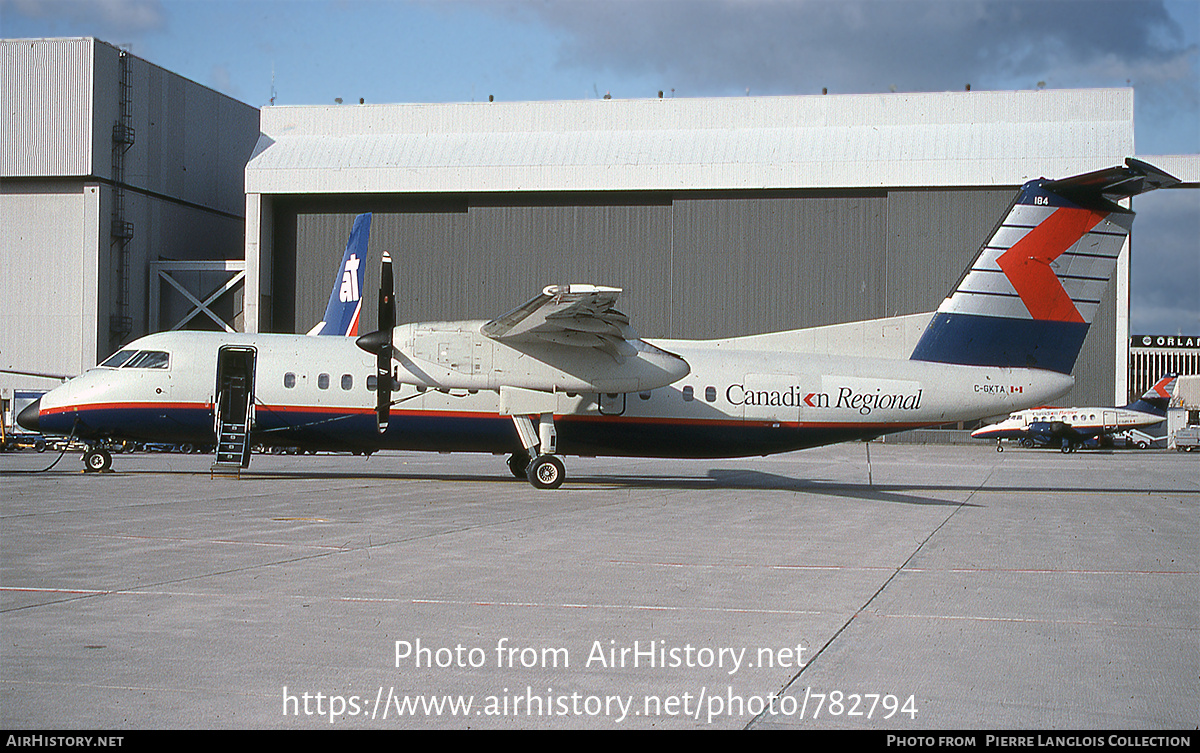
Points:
point(1111, 184)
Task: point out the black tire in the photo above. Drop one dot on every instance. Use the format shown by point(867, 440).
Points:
point(96, 460)
point(518, 464)
point(546, 472)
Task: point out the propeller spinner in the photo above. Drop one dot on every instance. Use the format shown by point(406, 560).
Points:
point(379, 342)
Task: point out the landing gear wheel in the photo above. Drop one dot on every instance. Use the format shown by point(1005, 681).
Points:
point(518, 463)
point(97, 459)
point(999, 447)
point(546, 472)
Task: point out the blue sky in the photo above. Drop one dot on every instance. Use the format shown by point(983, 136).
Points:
point(313, 51)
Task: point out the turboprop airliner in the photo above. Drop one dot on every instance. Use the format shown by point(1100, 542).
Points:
point(1071, 427)
point(566, 374)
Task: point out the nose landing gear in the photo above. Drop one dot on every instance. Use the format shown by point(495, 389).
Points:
point(96, 460)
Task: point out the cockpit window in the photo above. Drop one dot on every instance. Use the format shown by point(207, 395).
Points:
point(116, 360)
point(138, 359)
point(149, 359)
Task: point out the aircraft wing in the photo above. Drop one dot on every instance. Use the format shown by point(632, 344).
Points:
point(577, 316)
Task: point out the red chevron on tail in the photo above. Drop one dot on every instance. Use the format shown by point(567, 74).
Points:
point(1028, 263)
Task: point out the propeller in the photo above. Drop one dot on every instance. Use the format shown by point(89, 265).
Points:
point(379, 342)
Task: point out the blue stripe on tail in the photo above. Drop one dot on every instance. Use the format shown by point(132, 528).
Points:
point(973, 340)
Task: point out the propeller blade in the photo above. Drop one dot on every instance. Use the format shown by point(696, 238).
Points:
point(379, 342)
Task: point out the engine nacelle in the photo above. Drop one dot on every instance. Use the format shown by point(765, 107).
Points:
point(457, 355)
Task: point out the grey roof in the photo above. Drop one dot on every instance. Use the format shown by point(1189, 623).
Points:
point(882, 140)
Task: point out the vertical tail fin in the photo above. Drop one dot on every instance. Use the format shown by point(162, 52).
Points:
point(345, 300)
point(1157, 399)
point(1034, 287)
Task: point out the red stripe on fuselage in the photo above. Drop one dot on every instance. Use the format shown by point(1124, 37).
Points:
point(124, 406)
point(399, 413)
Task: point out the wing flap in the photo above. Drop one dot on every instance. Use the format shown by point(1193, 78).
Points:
point(573, 315)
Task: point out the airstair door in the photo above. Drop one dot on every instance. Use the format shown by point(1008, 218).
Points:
point(235, 406)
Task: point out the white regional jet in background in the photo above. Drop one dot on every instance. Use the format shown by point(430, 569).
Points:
point(1071, 427)
point(566, 374)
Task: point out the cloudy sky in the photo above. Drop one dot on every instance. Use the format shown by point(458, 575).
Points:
point(313, 51)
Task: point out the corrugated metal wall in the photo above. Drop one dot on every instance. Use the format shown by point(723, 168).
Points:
point(183, 194)
point(46, 101)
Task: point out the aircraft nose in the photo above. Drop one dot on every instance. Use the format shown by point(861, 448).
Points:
point(28, 417)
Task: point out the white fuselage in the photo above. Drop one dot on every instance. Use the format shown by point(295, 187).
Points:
point(1082, 422)
point(737, 399)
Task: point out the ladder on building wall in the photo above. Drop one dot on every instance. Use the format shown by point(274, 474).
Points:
point(120, 323)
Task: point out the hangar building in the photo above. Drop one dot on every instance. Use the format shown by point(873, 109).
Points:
point(718, 217)
point(109, 165)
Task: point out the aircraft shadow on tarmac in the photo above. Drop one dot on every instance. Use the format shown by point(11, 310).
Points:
point(714, 479)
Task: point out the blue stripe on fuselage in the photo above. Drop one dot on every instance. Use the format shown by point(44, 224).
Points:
point(459, 432)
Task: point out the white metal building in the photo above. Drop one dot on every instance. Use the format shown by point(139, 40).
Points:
point(108, 165)
point(717, 216)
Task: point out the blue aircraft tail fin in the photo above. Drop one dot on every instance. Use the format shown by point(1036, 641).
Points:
point(1157, 399)
point(345, 300)
point(1033, 289)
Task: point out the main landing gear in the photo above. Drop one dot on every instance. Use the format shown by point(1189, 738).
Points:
point(537, 463)
point(518, 463)
point(546, 472)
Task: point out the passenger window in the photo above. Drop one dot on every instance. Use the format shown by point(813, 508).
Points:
point(347, 382)
point(372, 382)
point(710, 394)
point(322, 381)
point(289, 380)
point(688, 394)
